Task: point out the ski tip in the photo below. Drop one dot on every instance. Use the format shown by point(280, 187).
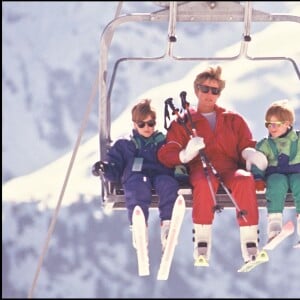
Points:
point(261, 258)
point(180, 200)
point(289, 226)
point(145, 273)
point(137, 210)
point(297, 246)
point(162, 277)
point(143, 270)
point(287, 230)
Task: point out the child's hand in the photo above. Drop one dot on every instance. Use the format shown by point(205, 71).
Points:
point(99, 166)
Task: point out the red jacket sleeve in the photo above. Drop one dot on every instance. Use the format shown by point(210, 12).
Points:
point(176, 140)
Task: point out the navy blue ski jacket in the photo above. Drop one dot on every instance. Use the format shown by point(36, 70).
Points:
point(122, 154)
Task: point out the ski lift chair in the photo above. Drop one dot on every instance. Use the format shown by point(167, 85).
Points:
point(173, 12)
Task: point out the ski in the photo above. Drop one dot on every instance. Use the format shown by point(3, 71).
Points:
point(261, 258)
point(139, 232)
point(287, 230)
point(176, 222)
point(297, 246)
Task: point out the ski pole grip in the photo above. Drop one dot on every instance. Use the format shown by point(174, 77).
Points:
point(169, 102)
point(184, 103)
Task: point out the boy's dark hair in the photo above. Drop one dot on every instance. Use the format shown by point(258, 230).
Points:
point(142, 110)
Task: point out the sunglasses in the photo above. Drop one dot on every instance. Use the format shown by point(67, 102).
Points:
point(142, 124)
point(274, 124)
point(205, 89)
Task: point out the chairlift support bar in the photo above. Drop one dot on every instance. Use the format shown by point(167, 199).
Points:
point(173, 12)
point(116, 201)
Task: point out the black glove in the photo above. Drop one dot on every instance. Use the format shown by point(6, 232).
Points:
point(99, 167)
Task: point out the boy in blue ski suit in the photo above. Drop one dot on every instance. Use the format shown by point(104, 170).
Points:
point(134, 163)
point(282, 150)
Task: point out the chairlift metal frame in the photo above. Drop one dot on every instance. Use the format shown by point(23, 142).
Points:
point(172, 13)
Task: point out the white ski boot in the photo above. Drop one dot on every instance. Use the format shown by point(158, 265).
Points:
point(202, 244)
point(274, 225)
point(249, 242)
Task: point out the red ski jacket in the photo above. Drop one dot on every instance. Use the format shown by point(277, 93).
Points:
point(223, 146)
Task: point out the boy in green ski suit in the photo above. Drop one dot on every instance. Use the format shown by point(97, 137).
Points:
point(282, 150)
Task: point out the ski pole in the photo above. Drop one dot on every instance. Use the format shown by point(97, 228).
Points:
point(181, 120)
point(175, 111)
point(185, 105)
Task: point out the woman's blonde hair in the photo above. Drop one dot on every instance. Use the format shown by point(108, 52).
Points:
point(212, 74)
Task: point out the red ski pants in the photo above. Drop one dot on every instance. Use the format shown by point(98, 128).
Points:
point(242, 187)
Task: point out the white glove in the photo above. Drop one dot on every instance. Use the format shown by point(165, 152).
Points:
point(192, 149)
point(254, 157)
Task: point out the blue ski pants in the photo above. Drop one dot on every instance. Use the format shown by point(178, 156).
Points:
point(138, 191)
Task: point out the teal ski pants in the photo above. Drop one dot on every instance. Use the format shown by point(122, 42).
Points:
point(277, 187)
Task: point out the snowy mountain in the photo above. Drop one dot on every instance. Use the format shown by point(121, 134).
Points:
point(50, 60)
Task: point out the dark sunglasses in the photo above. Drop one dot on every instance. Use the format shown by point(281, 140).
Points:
point(142, 124)
point(274, 124)
point(205, 89)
